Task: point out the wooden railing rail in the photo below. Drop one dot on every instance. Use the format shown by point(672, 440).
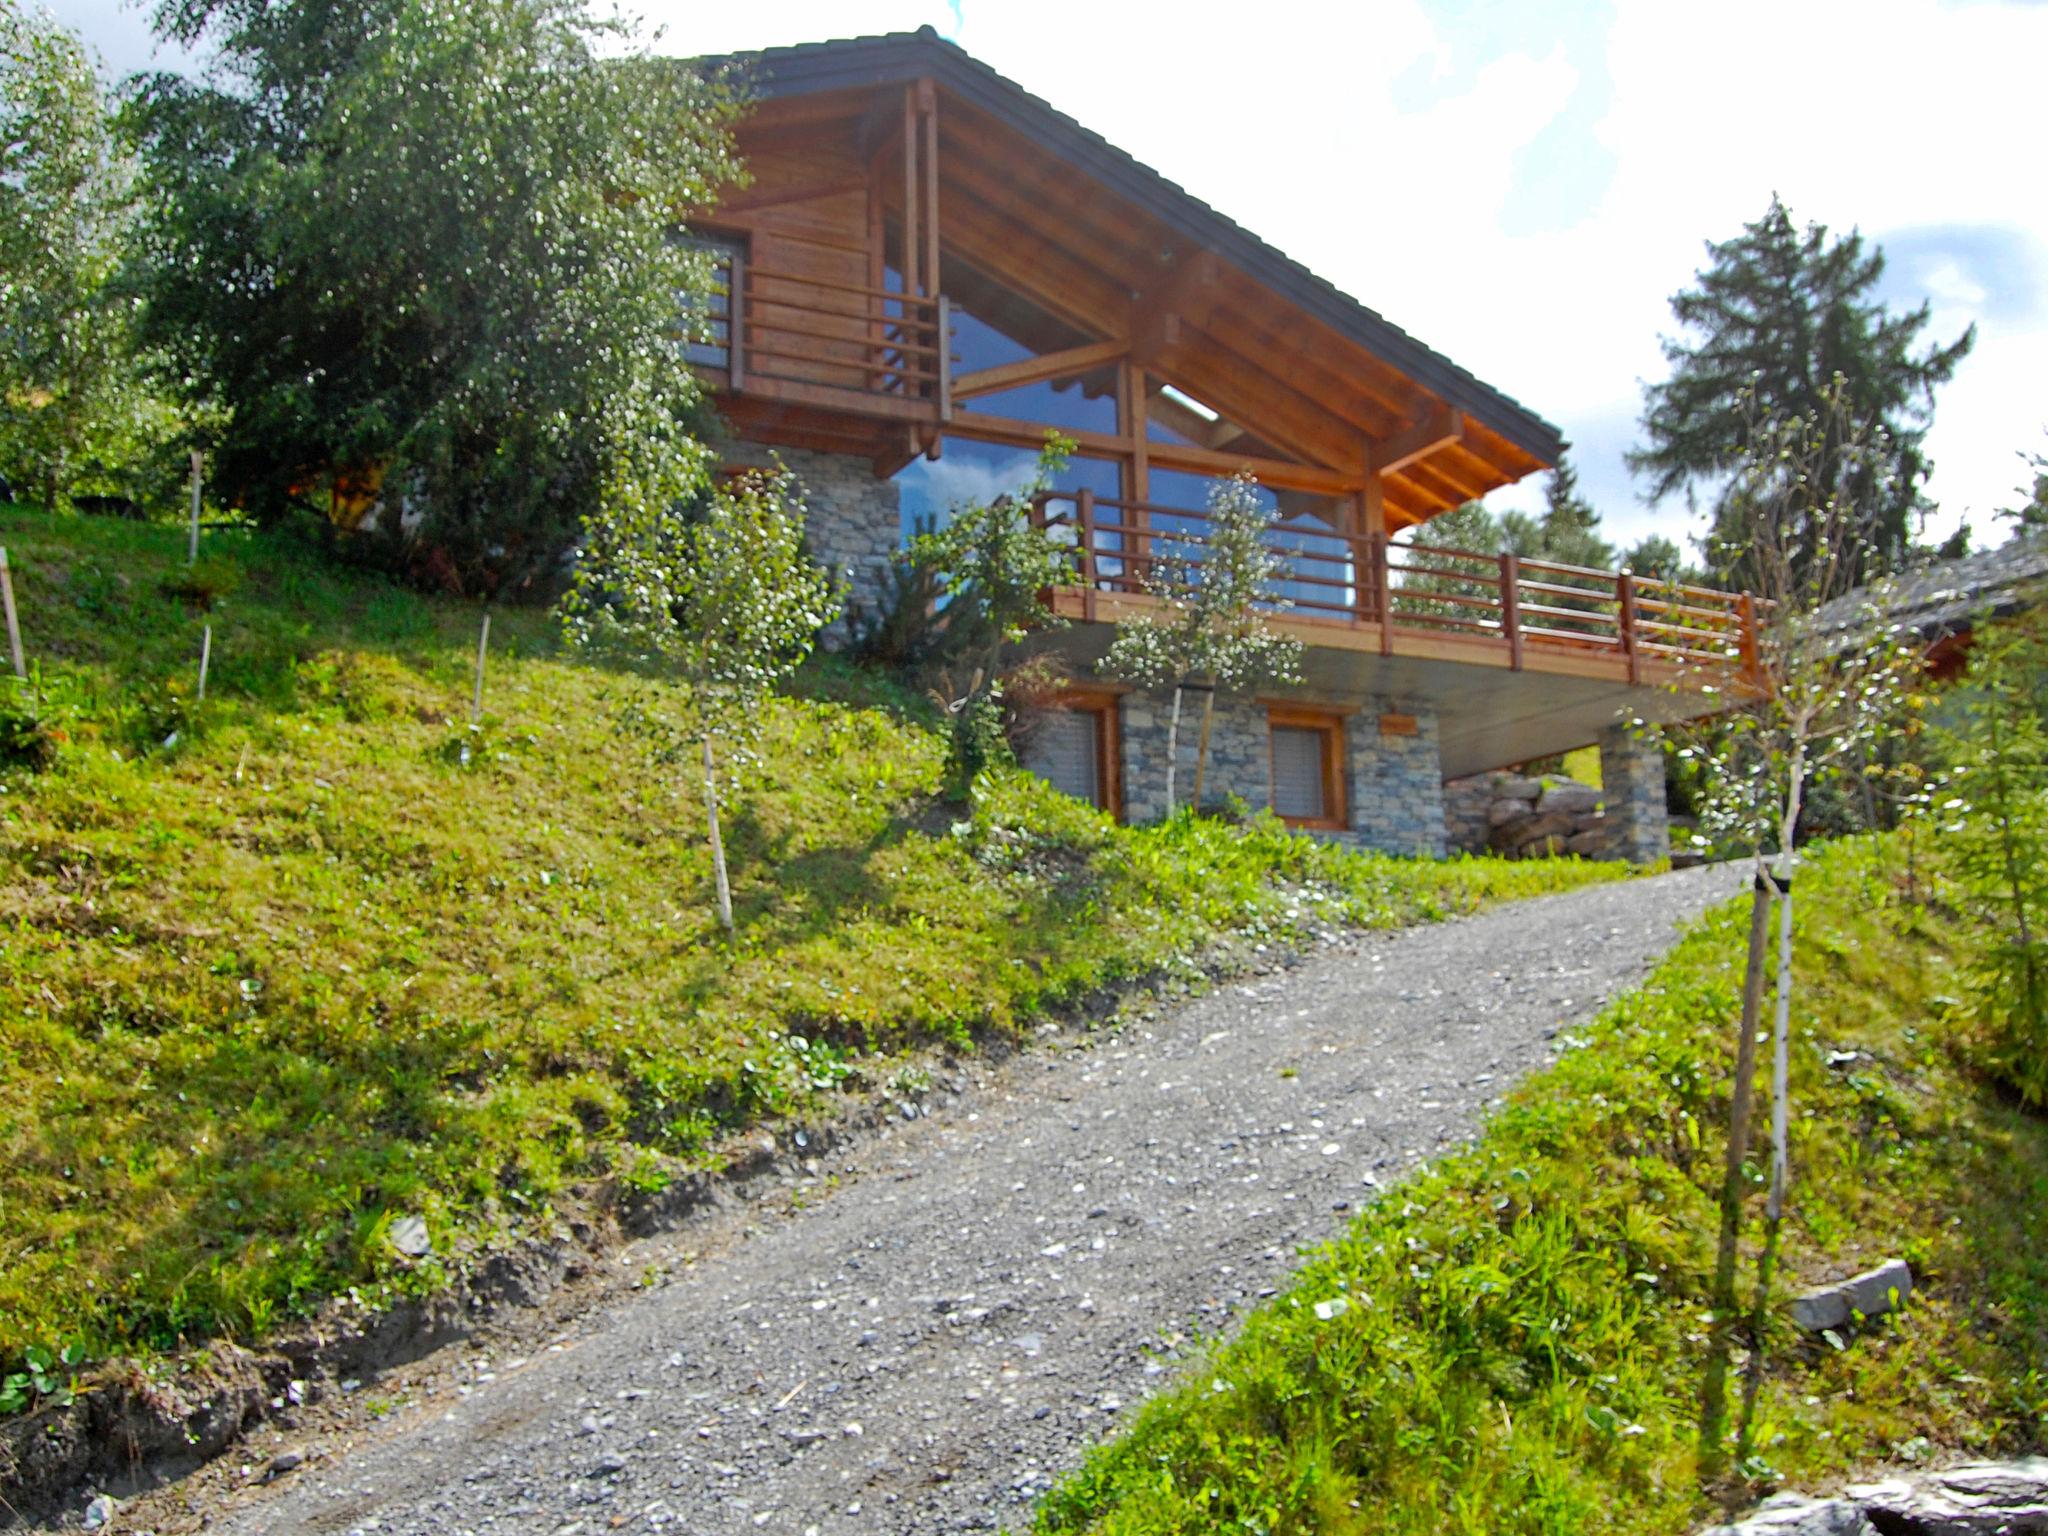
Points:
point(1336, 575)
point(819, 333)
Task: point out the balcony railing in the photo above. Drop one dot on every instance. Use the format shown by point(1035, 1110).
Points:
point(829, 343)
point(1395, 588)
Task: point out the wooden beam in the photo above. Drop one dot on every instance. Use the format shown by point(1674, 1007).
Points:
point(910, 191)
point(1051, 365)
point(1187, 290)
point(769, 197)
point(928, 109)
point(1439, 429)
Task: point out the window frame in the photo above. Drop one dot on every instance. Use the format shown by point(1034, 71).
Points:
point(1102, 704)
point(1329, 724)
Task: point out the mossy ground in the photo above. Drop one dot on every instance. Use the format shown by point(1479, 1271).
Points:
point(282, 968)
point(1515, 1341)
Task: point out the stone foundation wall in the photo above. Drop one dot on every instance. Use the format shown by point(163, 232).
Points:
point(853, 518)
point(1392, 783)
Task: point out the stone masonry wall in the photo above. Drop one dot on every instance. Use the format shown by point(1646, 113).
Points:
point(1392, 789)
point(1394, 784)
point(853, 519)
point(1632, 768)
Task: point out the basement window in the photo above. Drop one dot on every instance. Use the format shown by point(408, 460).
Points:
point(1308, 767)
point(1072, 746)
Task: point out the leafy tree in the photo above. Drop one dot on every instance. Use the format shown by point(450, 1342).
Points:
point(1993, 803)
point(1216, 592)
point(1777, 316)
point(2030, 516)
point(728, 601)
point(1660, 559)
point(427, 249)
point(74, 399)
point(989, 566)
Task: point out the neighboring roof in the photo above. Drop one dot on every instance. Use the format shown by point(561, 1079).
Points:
point(1950, 596)
point(898, 57)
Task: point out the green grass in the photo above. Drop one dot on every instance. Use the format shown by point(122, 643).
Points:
point(1522, 1329)
point(303, 971)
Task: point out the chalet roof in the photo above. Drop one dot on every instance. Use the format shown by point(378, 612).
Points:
point(900, 57)
point(1950, 596)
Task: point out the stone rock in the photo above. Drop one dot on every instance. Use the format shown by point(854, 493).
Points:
point(1792, 1514)
point(1543, 825)
point(409, 1237)
point(1588, 840)
point(1870, 1293)
point(1504, 811)
point(1568, 799)
point(2004, 1498)
point(1512, 787)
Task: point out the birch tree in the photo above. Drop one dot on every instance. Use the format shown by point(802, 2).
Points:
point(1215, 593)
point(728, 601)
point(1831, 672)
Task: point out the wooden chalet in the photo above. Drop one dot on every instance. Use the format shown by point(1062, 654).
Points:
point(930, 268)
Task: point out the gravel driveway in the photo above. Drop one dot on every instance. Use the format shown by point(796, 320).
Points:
point(927, 1345)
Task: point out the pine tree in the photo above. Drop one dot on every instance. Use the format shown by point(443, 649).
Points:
point(1778, 313)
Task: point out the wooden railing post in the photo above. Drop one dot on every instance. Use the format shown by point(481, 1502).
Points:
point(736, 322)
point(1511, 606)
point(943, 339)
point(1752, 661)
point(1084, 530)
point(1382, 593)
point(1625, 586)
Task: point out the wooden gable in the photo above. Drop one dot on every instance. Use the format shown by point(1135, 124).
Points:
point(893, 166)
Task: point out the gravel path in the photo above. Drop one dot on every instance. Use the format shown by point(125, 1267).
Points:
point(927, 1345)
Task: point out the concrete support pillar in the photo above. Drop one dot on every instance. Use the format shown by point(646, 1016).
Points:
point(1632, 779)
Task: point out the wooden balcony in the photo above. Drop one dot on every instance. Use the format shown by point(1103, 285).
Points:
point(833, 346)
point(1346, 591)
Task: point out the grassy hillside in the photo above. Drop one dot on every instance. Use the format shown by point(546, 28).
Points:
point(1514, 1342)
point(281, 969)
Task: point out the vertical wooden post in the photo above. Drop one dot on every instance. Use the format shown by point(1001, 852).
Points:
point(736, 321)
point(13, 623)
point(1372, 505)
point(205, 657)
point(1084, 529)
point(928, 105)
point(1752, 661)
point(944, 338)
point(1138, 471)
point(910, 252)
point(198, 472)
point(483, 644)
point(1626, 590)
point(1382, 593)
point(1511, 606)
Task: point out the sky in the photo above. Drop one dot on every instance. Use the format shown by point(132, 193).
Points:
point(1523, 186)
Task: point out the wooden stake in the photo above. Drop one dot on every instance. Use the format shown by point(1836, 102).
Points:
point(205, 656)
point(198, 470)
point(13, 624)
point(483, 641)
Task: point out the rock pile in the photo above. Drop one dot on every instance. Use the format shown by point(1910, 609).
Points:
point(1524, 818)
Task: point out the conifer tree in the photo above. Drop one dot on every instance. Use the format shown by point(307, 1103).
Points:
point(1777, 315)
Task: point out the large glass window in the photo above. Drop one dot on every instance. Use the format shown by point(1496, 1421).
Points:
point(971, 473)
point(1318, 572)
